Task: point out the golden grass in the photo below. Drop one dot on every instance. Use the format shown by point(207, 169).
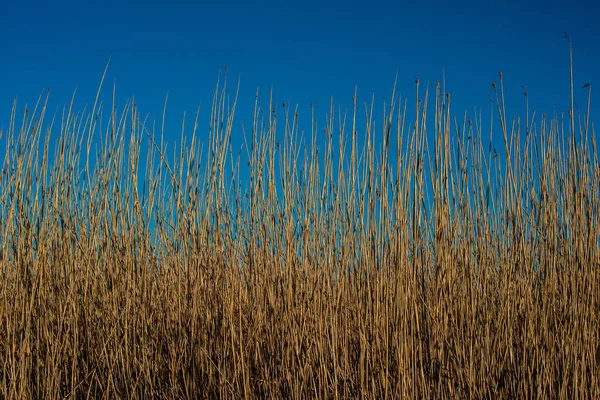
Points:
point(411, 262)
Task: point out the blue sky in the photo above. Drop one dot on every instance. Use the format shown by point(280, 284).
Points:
point(305, 51)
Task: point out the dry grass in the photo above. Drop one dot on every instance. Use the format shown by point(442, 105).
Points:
point(406, 261)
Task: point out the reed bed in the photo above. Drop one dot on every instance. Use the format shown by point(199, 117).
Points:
point(403, 259)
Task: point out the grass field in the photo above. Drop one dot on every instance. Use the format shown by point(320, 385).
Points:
point(410, 260)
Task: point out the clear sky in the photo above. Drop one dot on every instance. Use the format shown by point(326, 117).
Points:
point(305, 51)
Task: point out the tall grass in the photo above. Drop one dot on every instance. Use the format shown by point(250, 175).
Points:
point(404, 261)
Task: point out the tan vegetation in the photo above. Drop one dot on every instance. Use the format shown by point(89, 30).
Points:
point(404, 261)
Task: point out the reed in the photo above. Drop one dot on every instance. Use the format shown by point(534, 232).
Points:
point(402, 260)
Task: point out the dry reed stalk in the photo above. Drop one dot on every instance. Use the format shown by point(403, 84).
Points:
point(449, 272)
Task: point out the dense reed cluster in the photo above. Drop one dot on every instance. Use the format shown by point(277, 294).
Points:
point(407, 259)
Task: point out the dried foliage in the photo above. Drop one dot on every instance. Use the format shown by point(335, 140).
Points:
point(408, 261)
